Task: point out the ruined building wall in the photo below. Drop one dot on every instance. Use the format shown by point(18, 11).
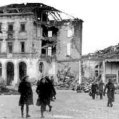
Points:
point(69, 41)
point(37, 36)
point(91, 68)
point(69, 48)
point(56, 43)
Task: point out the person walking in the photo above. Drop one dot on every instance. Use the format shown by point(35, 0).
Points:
point(26, 95)
point(101, 89)
point(94, 89)
point(44, 92)
point(53, 91)
point(110, 92)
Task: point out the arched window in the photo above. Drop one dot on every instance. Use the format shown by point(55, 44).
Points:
point(0, 69)
point(10, 72)
point(22, 70)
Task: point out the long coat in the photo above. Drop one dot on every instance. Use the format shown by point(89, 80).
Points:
point(44, 92)
point(26, 94)
point(110, 91)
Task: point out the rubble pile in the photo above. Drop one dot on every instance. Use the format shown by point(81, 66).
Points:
point(85, 86)
point(8, 91)
point(68, 83)
point(4, 90)
point(66, 80)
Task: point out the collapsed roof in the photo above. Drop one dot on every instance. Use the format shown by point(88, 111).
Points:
point(36, 8)
point(111, 52)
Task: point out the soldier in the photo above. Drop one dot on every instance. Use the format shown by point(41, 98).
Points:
point(26, 95)
point(110, 92)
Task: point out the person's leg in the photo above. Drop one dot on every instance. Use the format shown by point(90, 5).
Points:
point(111, 104)
point(101, 96)
point(50, 107)
point(108, 103)
point(111, 100)
point(27, 111)
point(93, 95)
point(22, 110)
point(42, 110)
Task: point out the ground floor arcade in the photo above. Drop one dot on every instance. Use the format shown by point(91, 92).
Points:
point(12, 70)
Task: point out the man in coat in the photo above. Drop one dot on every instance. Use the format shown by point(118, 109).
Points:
point(44, 91)
point(26, 95)
point(110, 92)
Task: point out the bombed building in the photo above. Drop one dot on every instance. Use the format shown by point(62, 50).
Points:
point(104, 63)
point(37, 39)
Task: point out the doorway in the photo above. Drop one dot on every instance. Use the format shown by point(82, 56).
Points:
point(22, 70)
point(10, 73)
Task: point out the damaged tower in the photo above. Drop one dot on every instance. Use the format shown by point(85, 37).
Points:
point(36, 39)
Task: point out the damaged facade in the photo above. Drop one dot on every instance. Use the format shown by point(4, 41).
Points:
point(91, 67)
point(35, 39)
point(103, 62)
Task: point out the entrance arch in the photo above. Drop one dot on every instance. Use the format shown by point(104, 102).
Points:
point(22, 69)
point(10, 72)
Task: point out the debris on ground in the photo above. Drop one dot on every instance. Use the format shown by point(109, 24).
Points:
point(7, 90)
point(68, 83)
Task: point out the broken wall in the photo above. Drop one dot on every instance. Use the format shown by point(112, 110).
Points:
point(69, 41)
point(89, 68)
point(69, 48)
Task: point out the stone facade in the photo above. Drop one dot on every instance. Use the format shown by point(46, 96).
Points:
point(107, 68)
point(91, 68)
point(34, 45)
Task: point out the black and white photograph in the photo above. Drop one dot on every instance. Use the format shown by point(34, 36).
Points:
point(59, 59)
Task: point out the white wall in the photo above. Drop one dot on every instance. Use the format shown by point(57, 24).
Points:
point(112, 68)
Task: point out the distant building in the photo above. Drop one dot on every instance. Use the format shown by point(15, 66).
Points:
point(91, 67)
point(36, 40)
point(104, 62)
point(111, 70)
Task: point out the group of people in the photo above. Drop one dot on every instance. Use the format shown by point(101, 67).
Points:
point(97, 89)
point(100, 89)
point(45, 91)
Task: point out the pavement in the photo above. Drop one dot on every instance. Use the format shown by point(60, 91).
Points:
point(68, 105)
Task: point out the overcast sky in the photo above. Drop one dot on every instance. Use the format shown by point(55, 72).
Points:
point(101, 19)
